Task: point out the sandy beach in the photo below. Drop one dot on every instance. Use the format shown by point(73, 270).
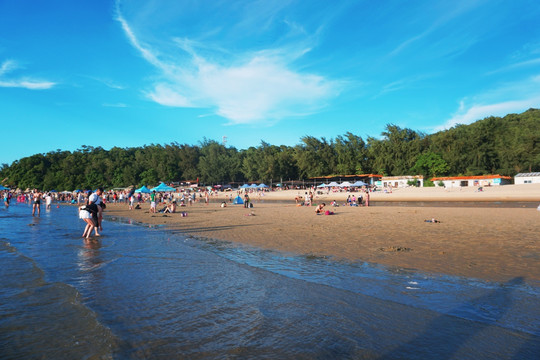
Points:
point(490, 243)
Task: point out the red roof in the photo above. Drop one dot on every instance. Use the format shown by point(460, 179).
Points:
point(477, 177)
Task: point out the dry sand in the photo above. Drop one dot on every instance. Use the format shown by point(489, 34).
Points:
point(495, 244)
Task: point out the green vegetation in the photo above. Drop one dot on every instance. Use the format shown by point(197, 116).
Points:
point(493, 145)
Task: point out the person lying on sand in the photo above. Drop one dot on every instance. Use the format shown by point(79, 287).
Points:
point(432, 221)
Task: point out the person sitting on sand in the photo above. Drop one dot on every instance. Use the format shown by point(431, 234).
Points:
point(171, 208)
point(320, 208)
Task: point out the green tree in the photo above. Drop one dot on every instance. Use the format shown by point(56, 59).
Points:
point(430, 164)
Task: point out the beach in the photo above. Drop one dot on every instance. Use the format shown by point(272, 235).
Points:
point(495, 243)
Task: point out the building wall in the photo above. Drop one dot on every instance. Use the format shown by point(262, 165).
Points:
point(527, 180)
point(400, 182)
point(473, 182)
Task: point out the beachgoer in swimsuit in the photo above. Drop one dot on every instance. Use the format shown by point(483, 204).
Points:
point(320, 208)
point(6, 198)
point(36, 204)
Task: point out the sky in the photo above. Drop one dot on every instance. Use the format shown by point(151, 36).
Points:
point(139, 72)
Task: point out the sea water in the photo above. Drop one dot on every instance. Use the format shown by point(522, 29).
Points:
point(142, 292)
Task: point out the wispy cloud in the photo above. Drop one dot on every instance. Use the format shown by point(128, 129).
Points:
point(517, 65)
point(109, 83)
point(25, 82)
point(249, 87)
point(118, 105)
point(524, 95)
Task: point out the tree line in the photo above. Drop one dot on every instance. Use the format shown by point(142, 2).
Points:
point(495, 145)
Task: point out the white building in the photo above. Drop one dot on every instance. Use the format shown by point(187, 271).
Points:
point(401, 181)
point(527, 178)
point(479, 180)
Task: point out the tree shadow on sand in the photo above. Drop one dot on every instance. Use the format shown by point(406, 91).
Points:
point(452, 337)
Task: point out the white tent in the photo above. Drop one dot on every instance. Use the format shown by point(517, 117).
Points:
point(345, 184)
point(332, 184)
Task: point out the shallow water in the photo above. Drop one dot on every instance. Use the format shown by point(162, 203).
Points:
point(143, 292)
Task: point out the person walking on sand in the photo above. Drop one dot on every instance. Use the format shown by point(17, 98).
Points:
point(153, 202)
point(36, 202)
point(367, 198)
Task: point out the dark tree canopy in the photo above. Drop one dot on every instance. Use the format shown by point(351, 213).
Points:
point(506, 146)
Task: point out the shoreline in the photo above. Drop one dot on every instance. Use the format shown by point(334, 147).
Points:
point(487, 243)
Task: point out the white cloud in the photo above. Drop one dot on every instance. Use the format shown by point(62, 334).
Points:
point(478, 111)
point(507, 98)
point(26, 83)
point(254, 87)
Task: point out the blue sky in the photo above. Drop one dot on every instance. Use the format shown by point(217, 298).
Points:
point(130, 73)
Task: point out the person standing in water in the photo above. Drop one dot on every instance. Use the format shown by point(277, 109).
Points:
point(48, 201)
point(6, 198)
point(36, 202)
point(95, 198)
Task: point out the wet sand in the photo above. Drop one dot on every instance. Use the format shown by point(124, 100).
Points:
point(497, 244)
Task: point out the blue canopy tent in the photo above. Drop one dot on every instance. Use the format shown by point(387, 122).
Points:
point(359, 183)
point(238, 200)
point(253, 186)
point(262, 186)
point(163, 188)
point(321, 186)
point(143, 189)
point(2, 187)
point(244, 186)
